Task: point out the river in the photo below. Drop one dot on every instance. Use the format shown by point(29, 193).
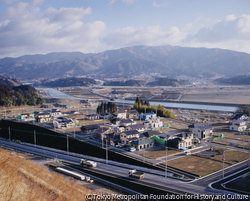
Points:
point(58, 94)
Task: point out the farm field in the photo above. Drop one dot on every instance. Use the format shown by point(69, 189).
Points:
point(208, 161)
point(159, 153)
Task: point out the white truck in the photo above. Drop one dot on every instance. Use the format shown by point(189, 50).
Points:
point(88, 163)
point(136, 174)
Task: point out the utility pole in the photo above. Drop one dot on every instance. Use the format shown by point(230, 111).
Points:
point(9, 134)
point(143, 149)
point(106, 151)
point(166, 175)
point(35, 138)
point(68, 144)
point(249, 154)
point(223, 163)
point(74, 130)
point(243, 139)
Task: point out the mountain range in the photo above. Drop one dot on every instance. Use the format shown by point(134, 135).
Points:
point(126, 62)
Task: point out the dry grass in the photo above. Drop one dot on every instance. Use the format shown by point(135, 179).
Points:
point(234, 139)
point(24, 180)
point(159, 153)
point(202, 166)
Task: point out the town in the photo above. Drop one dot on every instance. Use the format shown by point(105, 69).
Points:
point(189, 146)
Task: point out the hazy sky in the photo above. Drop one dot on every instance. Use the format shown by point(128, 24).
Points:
point(43, 26)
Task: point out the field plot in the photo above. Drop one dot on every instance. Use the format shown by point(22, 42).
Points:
point(159, 153)
point(174, 125)
point(242, 183)
point(80, 92)
point(208, 161)
point(236, 140)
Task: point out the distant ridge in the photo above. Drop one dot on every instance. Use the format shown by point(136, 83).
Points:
point(130, 61)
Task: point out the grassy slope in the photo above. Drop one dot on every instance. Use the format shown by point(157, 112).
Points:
point(23, 180)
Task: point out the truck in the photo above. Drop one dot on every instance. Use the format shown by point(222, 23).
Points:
point(88, 163)
point(136, 174)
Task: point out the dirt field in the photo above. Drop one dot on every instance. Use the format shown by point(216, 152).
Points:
point(236, 140)
point(175, 125)
point(159, 153)
point(201, 165)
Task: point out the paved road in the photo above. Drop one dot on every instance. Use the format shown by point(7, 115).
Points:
point(150, 179)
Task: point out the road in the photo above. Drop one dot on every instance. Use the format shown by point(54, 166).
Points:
point(152, 180)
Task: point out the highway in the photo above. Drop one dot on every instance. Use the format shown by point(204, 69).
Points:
point(150, 181)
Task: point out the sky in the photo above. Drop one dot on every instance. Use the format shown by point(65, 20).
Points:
point(92, 26)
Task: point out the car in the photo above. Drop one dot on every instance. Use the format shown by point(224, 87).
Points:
point(92, 138)
point(128, 148)
point(118, 145)
point(132, 149)
point(124, 146)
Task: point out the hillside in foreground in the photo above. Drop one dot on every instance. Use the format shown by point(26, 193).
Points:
point(23, 180)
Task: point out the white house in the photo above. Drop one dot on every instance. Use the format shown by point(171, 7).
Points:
point(55, 113)
point(121, 114)
point(238, 125)
point(201, 131)
point(138, 127)
point(63, 122)
point(126, 122)
point(128, 136)
point(153, 123)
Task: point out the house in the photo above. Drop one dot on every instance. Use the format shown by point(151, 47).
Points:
point(90, 128)
point(92, 117)
point(105, 115)
point(63, 122)
point(120, 114)
point(113, 138)
point(238, 125)
point(201, 131)
point(115, 121)
point(153, 123)
point(183, 140)
point(118, 129)
point(42, 117)
point(132, 114)
point(142, 144)
point(102, 131)
point(145, 116)
point(127, 122)
point(239, 116)
point(151, 133)
point(55, 113)
point(74, 112)
point(127, 137)
point(26, 116)
point(60, 105)
point(138, 127)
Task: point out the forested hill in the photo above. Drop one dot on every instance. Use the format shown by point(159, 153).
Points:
point(9, 82)
point(66, 82)
point(238, 80)
point(128, 62)
point(18, 95)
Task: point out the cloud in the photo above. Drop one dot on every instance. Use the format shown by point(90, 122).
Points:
point(230, 33)
point(24, 29)
point(230, 29)
point(129, 2)
point(66, 14)
point(159, 5)
point(152, 35)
